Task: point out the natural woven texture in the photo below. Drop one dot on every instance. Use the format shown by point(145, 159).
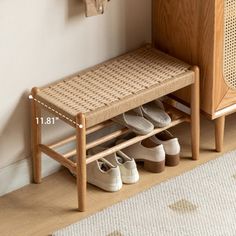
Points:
point(110, 82)
point(230, 43)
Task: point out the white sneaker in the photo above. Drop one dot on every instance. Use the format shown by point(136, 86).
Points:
point(127, 165)
point(152, 154)
point(171, 147)
point(104, 175)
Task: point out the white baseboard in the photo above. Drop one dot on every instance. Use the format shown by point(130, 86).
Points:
point(19, 174)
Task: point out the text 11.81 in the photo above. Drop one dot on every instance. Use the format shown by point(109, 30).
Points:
point(46, 120)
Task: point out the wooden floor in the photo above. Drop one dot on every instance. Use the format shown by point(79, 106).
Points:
point(42, 209)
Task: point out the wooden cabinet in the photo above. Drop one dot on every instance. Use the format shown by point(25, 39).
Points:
point(202, 32)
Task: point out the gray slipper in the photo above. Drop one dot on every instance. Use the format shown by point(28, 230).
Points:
point(135, 122)
point(154, 112)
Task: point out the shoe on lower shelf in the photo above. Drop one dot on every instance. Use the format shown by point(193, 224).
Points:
point(127, 165)
point(171, 146)
point(147, 151)
point(103, 174)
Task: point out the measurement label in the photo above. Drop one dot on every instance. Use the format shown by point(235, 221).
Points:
point(46, 120)
point(51, 120)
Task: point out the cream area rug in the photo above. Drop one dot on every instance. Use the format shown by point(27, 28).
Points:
point(200, 202)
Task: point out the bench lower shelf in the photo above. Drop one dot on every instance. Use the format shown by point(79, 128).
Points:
point(177, 118)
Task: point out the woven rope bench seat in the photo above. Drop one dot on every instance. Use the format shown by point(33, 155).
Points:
point(116, 86)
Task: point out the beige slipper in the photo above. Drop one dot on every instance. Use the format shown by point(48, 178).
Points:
point(135, 122)
point(154, 112)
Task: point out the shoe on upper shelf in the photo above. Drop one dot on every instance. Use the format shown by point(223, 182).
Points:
point(171, 146)
point(103, 174)
point(127, 165)
point(154, 112)
point(143, 119)
point(147, 151)
point(135, 121)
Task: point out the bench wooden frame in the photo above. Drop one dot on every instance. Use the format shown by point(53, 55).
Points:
point(84, 123)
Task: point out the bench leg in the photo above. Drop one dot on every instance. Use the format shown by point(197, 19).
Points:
point(81, 162)
point(35, 138)
point(195, 116)
point(219, 133)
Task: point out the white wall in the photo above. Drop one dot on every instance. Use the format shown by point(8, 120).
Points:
point(42, 41)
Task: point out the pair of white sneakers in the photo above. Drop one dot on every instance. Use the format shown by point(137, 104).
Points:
point(156, 151)
point(111, 172)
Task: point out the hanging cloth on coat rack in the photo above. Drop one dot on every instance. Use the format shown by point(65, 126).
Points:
point(95, 7)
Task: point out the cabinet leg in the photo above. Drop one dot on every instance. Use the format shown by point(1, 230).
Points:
point(219, 133)
point(81, 162)
point(35, 138)
point(195, 116)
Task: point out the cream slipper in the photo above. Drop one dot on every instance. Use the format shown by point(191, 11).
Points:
point(135, 122)
point(155, 113)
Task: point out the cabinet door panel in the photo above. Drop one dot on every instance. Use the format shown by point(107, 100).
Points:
point(225, 68)
point(185, 29)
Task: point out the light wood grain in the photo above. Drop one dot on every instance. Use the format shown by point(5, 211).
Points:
point(228, 100)
point(195, 115)
point(99, 141)
point(219, 133)
point(81, 162)
point(58, 157)
point(73, 137)
point(193, 30)
point(62, 142)
point(35, 137)
point(226, 111)
point(185, 29)
point(99, 127)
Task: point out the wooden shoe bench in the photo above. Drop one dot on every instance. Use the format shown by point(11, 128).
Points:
point(89, 100)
